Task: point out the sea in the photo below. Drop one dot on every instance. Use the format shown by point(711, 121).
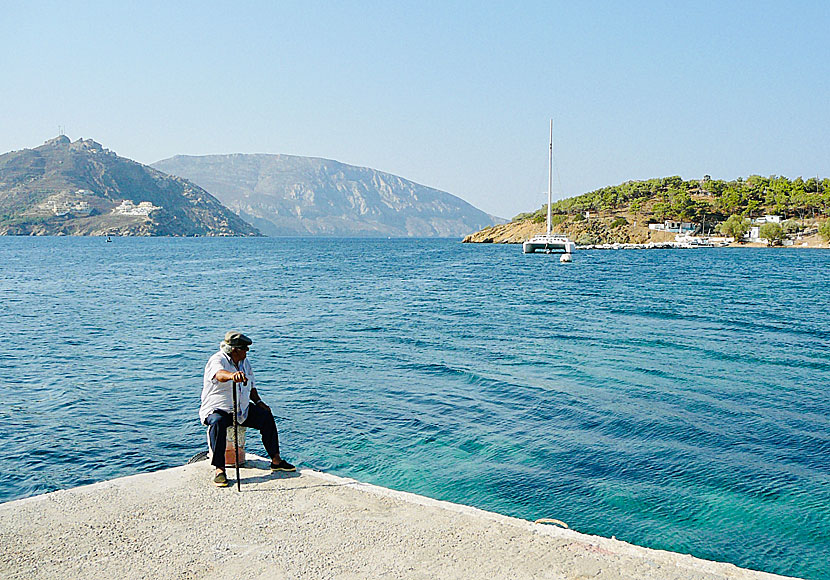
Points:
point(675, 399)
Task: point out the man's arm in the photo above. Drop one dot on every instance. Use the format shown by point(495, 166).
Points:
point(238, 377)
point(257, 400)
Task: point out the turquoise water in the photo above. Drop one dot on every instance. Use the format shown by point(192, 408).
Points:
point(674, 399)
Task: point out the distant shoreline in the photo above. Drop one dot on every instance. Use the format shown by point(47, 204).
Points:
point(683, 246)
point(628, 237)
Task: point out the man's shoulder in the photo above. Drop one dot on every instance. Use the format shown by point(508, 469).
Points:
point(217, 354)
point(217, 359)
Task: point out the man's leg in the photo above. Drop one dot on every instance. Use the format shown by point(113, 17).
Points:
point(218, 423)
point(263, 420)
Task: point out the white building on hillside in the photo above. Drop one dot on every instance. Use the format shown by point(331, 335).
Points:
point(674, 227)
point(127, 207)
point(63, 207)
point(767, 219)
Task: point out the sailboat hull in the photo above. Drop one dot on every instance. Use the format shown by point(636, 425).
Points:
point(548, 244)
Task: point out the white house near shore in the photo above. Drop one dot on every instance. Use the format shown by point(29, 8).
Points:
point(754, 233)
point(674, 227)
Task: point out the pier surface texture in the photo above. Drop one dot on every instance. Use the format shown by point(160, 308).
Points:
point(303, 525)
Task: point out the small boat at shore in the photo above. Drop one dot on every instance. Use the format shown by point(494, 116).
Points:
point(550, 242)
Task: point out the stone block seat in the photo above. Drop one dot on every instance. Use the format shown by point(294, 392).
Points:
point(230, 455)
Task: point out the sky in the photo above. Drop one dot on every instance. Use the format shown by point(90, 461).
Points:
point(452, 95)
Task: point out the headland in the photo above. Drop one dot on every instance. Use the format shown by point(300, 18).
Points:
point(764, 211)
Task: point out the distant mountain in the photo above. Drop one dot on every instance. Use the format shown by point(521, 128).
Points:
point(285, 195)
point(80, 188)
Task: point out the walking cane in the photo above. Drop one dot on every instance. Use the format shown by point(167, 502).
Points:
point(236, 440)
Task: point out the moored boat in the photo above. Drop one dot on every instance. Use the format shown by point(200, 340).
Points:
point(549, 242)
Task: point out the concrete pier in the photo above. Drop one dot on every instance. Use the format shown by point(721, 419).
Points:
point(303, 525)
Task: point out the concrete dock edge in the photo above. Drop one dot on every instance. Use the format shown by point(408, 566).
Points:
point(175, 524)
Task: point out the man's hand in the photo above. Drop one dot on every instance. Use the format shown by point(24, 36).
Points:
point(239, 377)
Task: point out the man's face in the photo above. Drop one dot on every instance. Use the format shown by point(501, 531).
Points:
point(239, 353)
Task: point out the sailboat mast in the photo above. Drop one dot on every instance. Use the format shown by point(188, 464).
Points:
point(550, 173)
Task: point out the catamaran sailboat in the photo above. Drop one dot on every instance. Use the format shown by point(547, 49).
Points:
point(550, 242)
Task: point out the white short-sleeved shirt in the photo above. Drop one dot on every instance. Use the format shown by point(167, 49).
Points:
point(219, 396)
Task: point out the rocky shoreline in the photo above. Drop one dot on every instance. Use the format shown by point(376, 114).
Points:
point(648, 246)
point(629, 236)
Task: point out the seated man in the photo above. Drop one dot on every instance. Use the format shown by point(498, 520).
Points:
point(228, 366)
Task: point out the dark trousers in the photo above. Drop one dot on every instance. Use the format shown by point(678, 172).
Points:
point(258, 418)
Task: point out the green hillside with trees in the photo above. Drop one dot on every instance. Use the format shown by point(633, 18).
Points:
point(704, 200)
point(622, 213)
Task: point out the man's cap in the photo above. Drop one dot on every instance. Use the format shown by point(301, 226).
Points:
point(237, 339)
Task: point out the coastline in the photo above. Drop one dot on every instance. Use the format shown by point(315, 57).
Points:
point(308, 525)
point(517, 233)
point(686, 246)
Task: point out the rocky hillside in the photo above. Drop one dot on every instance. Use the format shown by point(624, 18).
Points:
point(80, 188)
point(599, 228)
point(285, 195)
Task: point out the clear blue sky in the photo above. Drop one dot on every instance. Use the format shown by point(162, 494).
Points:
point(454, 95)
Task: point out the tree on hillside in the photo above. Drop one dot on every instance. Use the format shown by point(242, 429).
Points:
point(779, 195)
point(818, 193)
point(636, 205)
point(682, 206)
point(731, 200)
point(673, 182)
point(671, 197)
point(735, 226)
point(715, 187)
point(771, 232)
point(791, 227)
point(754, 206)
point(661, 209)
point(824, 231)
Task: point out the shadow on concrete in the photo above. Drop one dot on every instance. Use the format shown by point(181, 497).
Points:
point(283, 489)
point(272, 475)
point(264, 465)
